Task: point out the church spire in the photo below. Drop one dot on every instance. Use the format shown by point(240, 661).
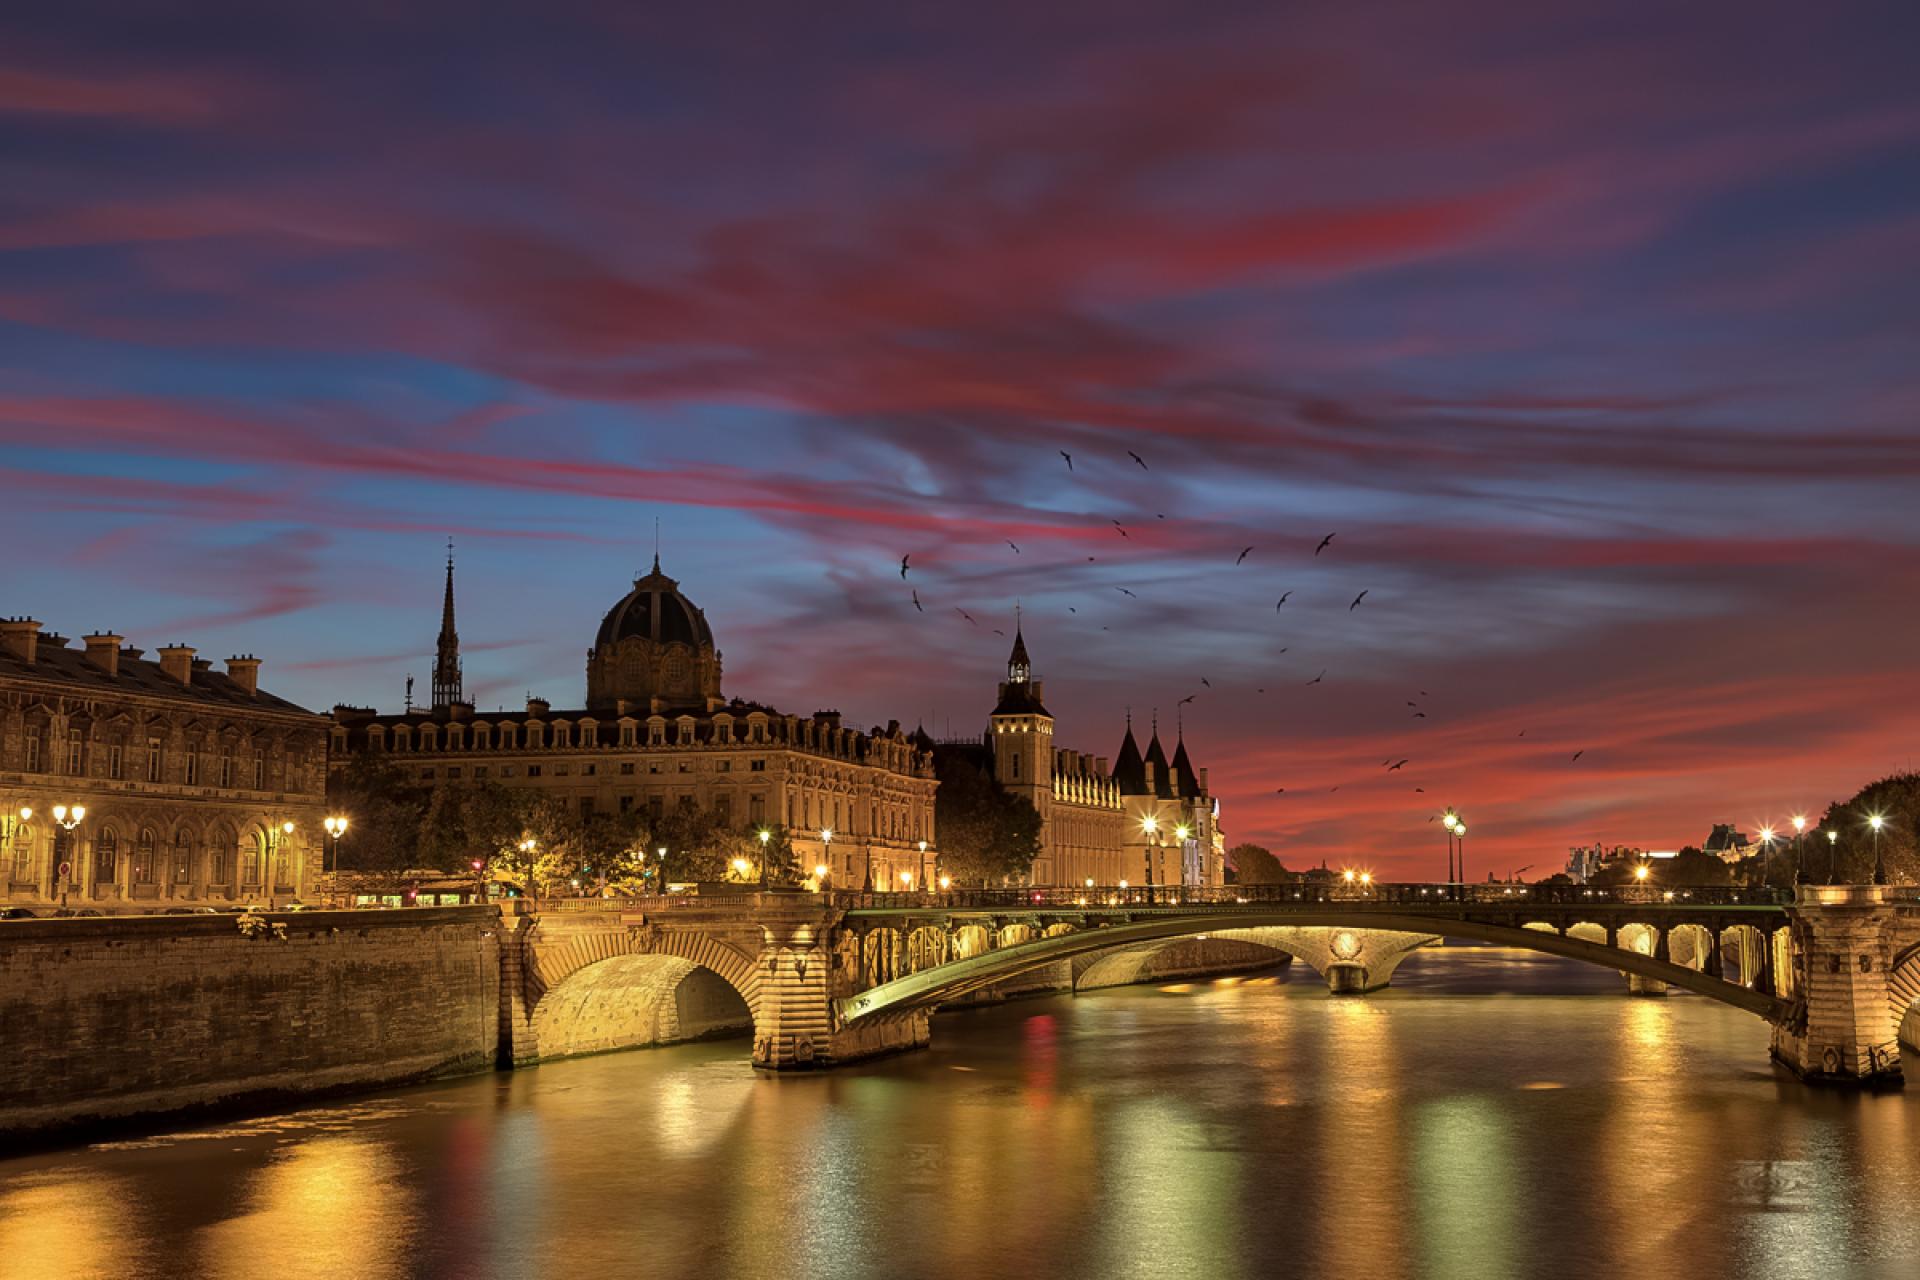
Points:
point(1019, 668)
point(446, 661)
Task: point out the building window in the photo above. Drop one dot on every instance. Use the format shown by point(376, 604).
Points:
point(250, 862)
point(259, 771)
point(586, 806)
point(116, 763)
point(653, 766)
point(533, 770)
point(560, 770)
point(226, 769)
point(193, 767)
point(143, 858)
point(76, 743)
point(626, 804)
point(686, 766)
point(155, 760)
point(757, 809)
point(217, 872)
point(589, 770)
point(726, 766)
point(757, 766)
point(480, 771)
point(686, 804)
point(656, 808)
point(723, 810)
point(106, 858)
point(33, 749)
point(626, 735)
point(1016, 766)
point(506, 771)
point(626, 769)
point(426, 775)
point(453, 774)
point(22, 855)
point(182, 858)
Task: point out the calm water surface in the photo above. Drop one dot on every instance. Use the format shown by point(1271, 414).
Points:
point(1493, 1115)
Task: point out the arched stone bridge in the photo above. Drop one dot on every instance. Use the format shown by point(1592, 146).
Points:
point(827, 979)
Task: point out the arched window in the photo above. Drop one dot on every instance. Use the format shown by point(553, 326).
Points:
point(106, 857)
point(250, 859)
point(22, 854)
point(182, 857)
point(143, 856)
point(220, 848)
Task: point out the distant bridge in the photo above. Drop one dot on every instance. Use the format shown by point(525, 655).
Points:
point(830, 978)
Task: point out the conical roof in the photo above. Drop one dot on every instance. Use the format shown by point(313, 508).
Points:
point(1129, 771)
point(1157, 757)
point(1189, 776)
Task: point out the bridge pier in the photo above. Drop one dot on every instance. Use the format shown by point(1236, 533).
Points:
point(1841, 1030)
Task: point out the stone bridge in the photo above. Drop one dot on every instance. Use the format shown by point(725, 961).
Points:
point(826, 979)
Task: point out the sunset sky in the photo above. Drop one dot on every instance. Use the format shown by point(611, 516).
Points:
point(1595, 342)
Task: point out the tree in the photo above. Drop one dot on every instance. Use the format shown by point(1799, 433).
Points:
point(386, 809)
point(699, 846)
point(1557, 878)
point(1253, 864)
point(987, 834)
point(782, 859)
point(1896, 800)
point(1693, 867)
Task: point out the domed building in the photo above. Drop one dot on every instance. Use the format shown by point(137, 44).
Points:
point(654, 649)
point(657, 735)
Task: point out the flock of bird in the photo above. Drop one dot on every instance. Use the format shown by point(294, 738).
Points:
point(1419, 712)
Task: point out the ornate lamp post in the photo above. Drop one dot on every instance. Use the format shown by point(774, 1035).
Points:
point(1799, 848)
point(1766, 855)
point(67, 818)
point(276, 841)
point(1833, 853)
point(1150, 825)
point(336, 827)
point(1449, 820)
point(923, 866)
point(1460, 837)
point(1877, 821)
point(765, 836)
point(1181, 835)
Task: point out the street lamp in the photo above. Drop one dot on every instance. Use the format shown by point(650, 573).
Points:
point(1642, 871)
point(1450, 820)
point(1766, 854)
point(67, 818)
point(765, 836)
point(1181, 834)
point(1460, 836)
point(274, 845)
point(336, 827)
point(820, 873)
point(1150, 826)
point(1833, 853)
point(1799, 848)
point(923, 863)
point(906, 878)
point(946, 882)
point(1877, 821)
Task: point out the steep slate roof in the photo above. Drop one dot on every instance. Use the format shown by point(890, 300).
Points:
point(1189, 776)
point(1157, 757)
point(57, 664)
point(1129, 770)
point(1018, 700)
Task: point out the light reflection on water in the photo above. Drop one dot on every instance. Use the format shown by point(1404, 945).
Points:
point(1492, 1115)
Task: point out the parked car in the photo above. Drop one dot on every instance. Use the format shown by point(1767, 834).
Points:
point(18, 913)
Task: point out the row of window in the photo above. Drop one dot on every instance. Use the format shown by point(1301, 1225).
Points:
point(588, 770)
point(227, 771)
point(507, 737)
point(149, 862)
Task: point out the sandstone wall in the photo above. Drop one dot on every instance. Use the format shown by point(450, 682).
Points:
point(115, 1017)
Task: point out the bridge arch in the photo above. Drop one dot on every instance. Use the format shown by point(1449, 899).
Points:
point(969, 973)
point(1903, 994)
point(591, 991)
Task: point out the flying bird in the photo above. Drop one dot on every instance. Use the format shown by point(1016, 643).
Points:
point(1419, 715)
point(1576, 755)
point(1011, 543)
point(1244, 554)
point(1137, 458)
point(1282, 600)
point(1206, 682)
point(1317, 679)
point(1071, 609)
point(1123, 532)
point(963, 613)
point(903, 565)
point(997, 631)
point(1421, 790)
point(1284, 648)
point(916, 601)
point(1356, 602)
point(1068, 457)
point(1128, 594)
point(1184, 701)
point(1279, 791)
point(1331, 790)
point(1323, 544)
point(1521, 734)
point(1396, 766)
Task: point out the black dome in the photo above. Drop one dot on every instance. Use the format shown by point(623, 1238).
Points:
point(655, 610)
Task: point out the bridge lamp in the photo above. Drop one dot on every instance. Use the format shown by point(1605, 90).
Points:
point(1799, 823)
point(740, 866)
point(946, 882)
point(1181, 832)
point(1366, 877)
point(1640, 872)
point(820, 871)
point(906, 878)
point(69, 816)
point(1347, 876)
point(1123, 884)
point(1876, 821)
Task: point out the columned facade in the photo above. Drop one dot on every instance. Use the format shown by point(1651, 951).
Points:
point(189, 779)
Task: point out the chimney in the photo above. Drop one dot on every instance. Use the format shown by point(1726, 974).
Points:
point(21, 636)
point(177, 661)
point(1203, 783)
point(103, 651)
point(537, 707)
point(244, 670)
point(1153, 783)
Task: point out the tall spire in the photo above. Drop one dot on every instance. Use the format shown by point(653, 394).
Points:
point(446, 661)
point(1019, 668)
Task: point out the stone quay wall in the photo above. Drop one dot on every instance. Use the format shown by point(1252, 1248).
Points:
point(107, 1019)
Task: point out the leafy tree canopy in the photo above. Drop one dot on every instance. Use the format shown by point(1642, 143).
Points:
point(987, 834)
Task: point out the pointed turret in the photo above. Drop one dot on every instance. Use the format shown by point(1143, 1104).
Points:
point(1021, 693)
point(1157, 758)
point(1129, 770)
point(446, 661)
point(1188, 776)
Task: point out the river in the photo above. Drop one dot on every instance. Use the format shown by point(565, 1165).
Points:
point(1494, 1114)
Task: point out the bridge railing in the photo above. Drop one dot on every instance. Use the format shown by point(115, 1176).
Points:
point(1136, 897)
